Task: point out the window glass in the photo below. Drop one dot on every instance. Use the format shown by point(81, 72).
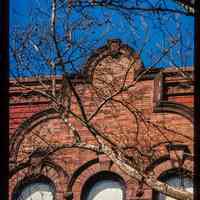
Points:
point(179, 182)
point(106, 189)
point(36, 191)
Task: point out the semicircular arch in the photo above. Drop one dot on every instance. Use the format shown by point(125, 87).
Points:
point(26, 127)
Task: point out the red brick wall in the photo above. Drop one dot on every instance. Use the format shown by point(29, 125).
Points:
point(113, 120)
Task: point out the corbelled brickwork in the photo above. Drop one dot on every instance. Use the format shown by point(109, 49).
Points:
point(163, 96)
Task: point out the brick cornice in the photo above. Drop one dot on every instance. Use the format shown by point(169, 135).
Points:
point(161, 104)
point(155, 71)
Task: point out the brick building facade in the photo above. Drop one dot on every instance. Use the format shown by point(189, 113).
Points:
point(163, 96)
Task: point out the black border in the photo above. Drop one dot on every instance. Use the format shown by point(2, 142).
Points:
point(4, 19)
point(4, 85)
point(197, 102)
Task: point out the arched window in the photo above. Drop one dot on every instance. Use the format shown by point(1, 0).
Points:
point(104, 186)
point(176, 178)
point(37, 189)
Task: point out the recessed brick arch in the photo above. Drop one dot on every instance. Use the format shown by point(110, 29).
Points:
point(26, 127)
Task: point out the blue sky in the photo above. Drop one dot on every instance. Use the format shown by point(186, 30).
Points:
point(142, 32)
